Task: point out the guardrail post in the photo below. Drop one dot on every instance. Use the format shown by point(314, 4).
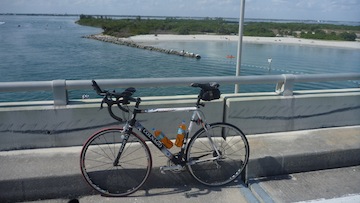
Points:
point(286, 87)
point(59, 92)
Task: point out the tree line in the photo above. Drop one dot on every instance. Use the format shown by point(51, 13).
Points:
point(139, 26)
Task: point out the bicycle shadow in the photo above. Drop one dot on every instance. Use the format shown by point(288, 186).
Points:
point(177, 183)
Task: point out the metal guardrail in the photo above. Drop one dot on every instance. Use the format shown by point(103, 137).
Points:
point(284, 83)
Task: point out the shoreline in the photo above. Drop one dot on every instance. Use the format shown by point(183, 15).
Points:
point(151, 39)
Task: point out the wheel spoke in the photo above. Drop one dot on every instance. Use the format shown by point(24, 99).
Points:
point(231, 144)
point(98, 169)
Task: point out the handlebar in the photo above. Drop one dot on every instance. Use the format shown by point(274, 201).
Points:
point(111, 98)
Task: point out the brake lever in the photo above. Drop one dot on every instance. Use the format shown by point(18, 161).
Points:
point(102, 102)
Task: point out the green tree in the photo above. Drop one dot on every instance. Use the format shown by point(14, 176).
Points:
point(348, 36)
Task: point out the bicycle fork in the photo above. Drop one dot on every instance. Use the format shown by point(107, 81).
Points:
point(116, 161)
point(125, 138)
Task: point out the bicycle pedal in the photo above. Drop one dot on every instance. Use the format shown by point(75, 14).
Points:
point(162, 171)
point(170, 168)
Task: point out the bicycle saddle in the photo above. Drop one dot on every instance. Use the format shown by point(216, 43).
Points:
point(206, 86)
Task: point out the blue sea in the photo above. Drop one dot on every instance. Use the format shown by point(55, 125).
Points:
point(44, 48)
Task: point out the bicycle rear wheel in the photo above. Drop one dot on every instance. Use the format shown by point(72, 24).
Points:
point(110, 179)
point(204, 163)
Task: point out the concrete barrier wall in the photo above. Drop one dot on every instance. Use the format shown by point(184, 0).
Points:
point(40, 124)
point(266, 113)
point(37, 125)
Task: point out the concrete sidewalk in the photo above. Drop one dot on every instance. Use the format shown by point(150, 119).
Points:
point(54, 173)
point(323, 186)
point(331, 185)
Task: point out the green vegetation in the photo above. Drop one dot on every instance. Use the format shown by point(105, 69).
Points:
point(138, 26)
point(320, 34)
point(304, 30)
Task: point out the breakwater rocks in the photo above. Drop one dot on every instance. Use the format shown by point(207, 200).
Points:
point(129, 43)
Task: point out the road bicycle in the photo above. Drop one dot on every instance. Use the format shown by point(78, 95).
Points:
point(116, 161)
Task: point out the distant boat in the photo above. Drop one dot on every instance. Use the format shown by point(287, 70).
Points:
point(230, 56)
point(2, 23)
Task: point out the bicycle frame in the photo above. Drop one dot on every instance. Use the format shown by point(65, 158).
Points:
point(175, 158)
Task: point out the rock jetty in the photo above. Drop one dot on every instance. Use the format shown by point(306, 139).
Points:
point(129, 43)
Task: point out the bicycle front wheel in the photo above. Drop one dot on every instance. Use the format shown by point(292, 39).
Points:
point(107, 176)
point(218, 155)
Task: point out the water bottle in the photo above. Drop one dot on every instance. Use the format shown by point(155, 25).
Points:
point(180, 134)
point(162, 138)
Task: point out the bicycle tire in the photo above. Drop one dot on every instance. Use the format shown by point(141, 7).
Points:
point(97, 163)
point(231, 144)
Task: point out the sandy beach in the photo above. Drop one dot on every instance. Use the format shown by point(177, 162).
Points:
point(152, 39)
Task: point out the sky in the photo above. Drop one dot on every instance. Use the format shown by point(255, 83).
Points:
point(337, 10)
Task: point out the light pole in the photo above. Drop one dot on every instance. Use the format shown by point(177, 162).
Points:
point(241, 23)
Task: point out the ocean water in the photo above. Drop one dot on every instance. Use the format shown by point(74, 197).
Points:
point(43, 48)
